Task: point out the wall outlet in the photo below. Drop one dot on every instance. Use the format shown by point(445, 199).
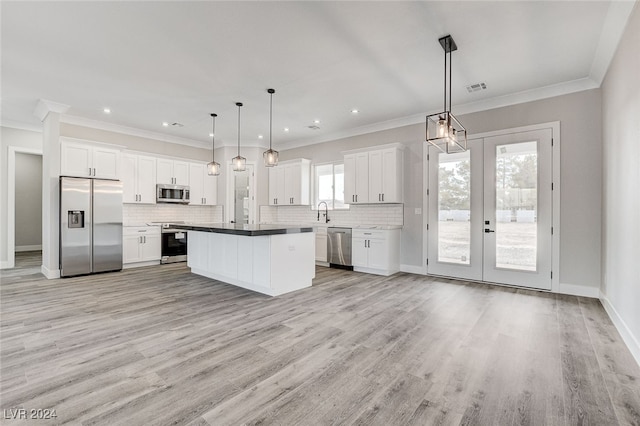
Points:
point(418, 210)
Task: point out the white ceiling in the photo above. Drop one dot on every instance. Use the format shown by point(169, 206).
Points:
point(179, 61)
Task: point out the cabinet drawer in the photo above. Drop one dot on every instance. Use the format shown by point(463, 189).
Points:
point(369, 234)
point(141, 230)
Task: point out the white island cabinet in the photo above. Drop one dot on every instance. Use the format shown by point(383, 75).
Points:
point(268, 259)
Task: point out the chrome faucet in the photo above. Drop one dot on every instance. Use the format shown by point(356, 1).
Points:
point(326, 211)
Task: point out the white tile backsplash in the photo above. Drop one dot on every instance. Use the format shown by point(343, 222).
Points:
point(366, 214)
point(137, 214)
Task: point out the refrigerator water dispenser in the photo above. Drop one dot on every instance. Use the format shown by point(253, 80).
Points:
point(76, 219)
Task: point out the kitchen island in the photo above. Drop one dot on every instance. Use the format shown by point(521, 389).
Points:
point(269, 259)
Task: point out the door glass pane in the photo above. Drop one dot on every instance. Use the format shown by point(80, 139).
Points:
point(454, 202)
point(516, 206)
point(241, 197)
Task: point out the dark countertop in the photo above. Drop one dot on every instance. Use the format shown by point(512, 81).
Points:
point(245, 230)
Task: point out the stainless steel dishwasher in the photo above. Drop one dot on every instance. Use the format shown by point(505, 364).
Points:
point(339, 247)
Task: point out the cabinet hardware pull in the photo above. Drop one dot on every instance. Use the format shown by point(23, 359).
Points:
point(382, 197)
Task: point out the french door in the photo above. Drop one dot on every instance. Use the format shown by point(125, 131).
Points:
point(490, 211)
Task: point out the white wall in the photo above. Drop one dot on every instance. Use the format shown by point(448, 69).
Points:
point(621, 187)
point(18, 138)
point(28, 197)
point(580, 119)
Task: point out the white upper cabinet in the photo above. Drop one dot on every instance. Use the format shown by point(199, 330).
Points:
point(373, 176)
point(202, 186)
point(172, 172)
point(138, 179)
point(289, 183)
point(384, 176)
point(356, 178)
point(84, 160)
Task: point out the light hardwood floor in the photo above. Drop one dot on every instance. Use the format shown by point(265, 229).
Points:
point(159, 345)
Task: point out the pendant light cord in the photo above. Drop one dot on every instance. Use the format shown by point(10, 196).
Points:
point(450, 67)
point(270, 118)
point(444, 107)
point(239, 105)
point(213, 138)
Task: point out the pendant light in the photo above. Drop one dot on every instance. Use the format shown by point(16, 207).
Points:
point(270, 156)
point(239, 162)
point(444, 131)
point(213, 168)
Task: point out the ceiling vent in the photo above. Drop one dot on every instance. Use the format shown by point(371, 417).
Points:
point(314, 127)
point(476, 87)
point(177, 124)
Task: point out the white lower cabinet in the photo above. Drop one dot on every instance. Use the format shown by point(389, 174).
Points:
point(321, 244)
point(141, 245)
point(376, 251)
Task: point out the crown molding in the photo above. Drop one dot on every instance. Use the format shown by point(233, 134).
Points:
point(614, 25)
point(44, 107)
point(483, 105)
point(132, 131)
point(21, 125)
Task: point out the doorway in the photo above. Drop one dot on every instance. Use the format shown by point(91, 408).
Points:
point(24, 207)
point(241, 204)
point(490, 210)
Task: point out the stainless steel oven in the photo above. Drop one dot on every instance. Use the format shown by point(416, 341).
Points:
point(174, 245)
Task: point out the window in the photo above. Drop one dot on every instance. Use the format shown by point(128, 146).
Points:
point(329, 185)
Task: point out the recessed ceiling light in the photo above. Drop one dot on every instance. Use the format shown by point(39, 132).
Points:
point(165, 124)
point(260, 136)
point(286, 129)
point(354, 111)
point(107, 110)
point(316, 121)
point(210, 135)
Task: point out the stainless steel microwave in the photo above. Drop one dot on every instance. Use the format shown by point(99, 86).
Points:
point(172, 194)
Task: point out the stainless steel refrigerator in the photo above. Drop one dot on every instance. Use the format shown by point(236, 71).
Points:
point(90, 226)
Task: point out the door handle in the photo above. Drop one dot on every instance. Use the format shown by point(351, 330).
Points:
point(487, 230)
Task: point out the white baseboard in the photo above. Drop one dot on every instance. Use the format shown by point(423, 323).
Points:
point(579, 290)
point(632, 341)
point(320, 263)
point(412, 269)
point(29, 248)
point(51, 274)
point(5, 264)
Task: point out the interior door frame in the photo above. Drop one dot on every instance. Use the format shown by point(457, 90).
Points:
point(11, 201)
point(555, 208)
